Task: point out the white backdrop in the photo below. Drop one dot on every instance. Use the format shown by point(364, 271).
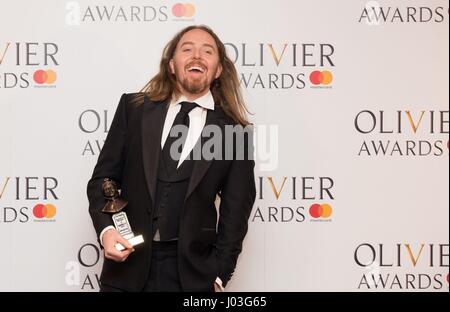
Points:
point(384, 85)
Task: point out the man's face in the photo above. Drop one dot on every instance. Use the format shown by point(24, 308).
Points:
point(195, 63)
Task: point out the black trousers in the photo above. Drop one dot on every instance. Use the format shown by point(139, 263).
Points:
point(163, 275)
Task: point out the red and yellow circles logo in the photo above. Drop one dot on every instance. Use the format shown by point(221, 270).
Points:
point(183, 10)
point(44, 76)
point(44, 211)
point(321, 77)
point(323, 211)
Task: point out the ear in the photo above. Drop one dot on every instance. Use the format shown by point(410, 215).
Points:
point(172, 67)
point(219, 71)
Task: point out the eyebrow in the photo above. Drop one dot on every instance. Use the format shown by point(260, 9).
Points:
point(205, 44)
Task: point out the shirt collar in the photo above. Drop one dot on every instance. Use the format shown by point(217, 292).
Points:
point(205, 101)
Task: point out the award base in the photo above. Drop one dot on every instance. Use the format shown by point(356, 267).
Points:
point(136, 240)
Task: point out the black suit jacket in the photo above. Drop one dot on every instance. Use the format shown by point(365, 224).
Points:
point(130, 156)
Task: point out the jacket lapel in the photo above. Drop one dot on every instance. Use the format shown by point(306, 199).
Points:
point(214, 117)
point(153, 116)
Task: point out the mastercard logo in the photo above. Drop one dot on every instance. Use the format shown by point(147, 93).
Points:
point(323, 211)
point(183, 10)
point(321, 77)
point(44, 211)
point(44, 76)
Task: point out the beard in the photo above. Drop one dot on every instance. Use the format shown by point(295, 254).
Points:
point(193, 85)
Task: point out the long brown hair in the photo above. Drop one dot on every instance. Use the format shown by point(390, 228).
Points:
point(225, 89)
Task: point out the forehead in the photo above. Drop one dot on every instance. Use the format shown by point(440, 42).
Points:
point(198, 36)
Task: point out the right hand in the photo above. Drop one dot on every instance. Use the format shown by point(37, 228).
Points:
point(110, 239)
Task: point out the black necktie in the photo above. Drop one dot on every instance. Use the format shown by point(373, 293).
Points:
point(182, 118)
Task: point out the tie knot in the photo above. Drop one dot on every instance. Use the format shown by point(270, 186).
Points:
point(186, 107)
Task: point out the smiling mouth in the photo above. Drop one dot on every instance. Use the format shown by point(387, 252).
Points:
point(196, 69)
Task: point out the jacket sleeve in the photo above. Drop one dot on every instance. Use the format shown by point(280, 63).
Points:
point(109, 165)
point(237, 199)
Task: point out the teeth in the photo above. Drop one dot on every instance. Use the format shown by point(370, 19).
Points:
point(196, 68)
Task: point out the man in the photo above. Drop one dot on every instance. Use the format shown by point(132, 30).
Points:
point(188, 244)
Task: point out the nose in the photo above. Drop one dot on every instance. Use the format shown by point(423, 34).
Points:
point(197, 53)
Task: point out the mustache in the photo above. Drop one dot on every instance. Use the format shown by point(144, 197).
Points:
point(196, 63)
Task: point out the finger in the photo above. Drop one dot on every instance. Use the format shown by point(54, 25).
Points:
point(124, 242)
point(118, 256)
point(112, 257)
point(113, 253)
point(125, 255)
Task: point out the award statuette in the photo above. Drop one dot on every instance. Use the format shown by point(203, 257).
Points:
point(114, 207)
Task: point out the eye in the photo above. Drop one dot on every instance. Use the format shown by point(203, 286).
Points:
point(186, 50)
point(209, 52)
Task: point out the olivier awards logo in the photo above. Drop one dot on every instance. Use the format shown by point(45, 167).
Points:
point(152, 12)
point(402, 133)
point(283, 66)
point(28, 64)
point(402, 266)
point(375, 13)
point(294, 199)
point(25, 199)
